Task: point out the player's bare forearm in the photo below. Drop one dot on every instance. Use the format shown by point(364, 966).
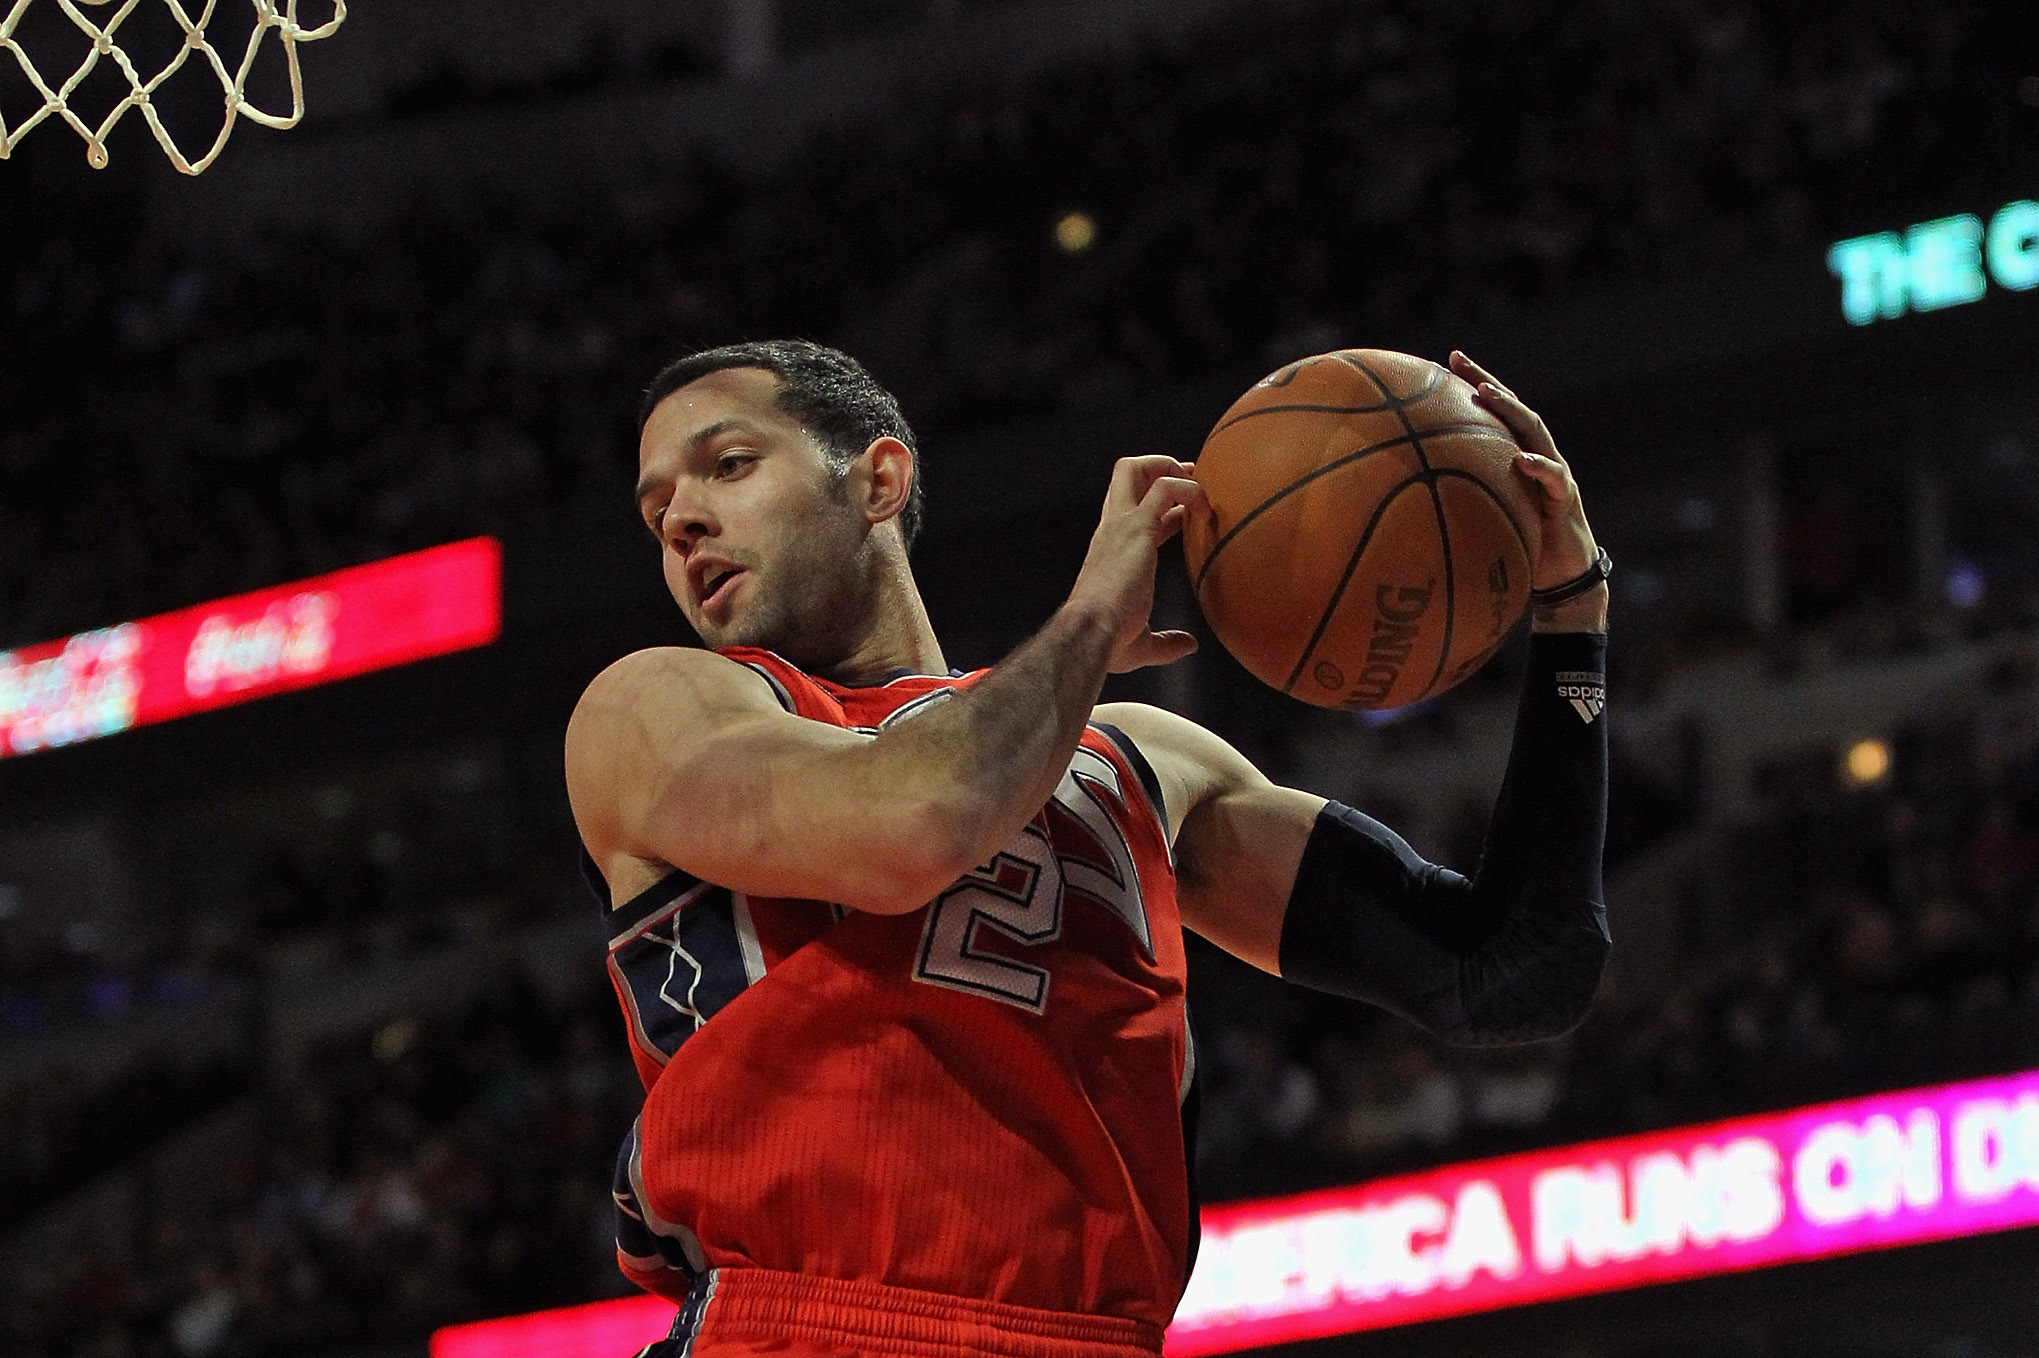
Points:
point(681, 758)
point(1017, 729)
point(685, 758)
point(995, 751)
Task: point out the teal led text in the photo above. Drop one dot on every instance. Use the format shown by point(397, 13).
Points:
point(1946, 262)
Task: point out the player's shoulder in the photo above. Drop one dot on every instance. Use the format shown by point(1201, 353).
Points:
point(666, 686)
point(640, 714)
point(673, 671)
point(1192, 763)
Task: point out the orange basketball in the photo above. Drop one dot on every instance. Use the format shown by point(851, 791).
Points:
point(1373, 541)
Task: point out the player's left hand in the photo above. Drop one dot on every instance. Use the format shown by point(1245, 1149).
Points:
point(1567, 548)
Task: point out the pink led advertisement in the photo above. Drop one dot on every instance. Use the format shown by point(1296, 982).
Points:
point(271, 641)
point(1864, 1174)
point(1871, 1173)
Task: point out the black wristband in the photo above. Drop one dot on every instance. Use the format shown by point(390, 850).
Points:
point(1602, 567)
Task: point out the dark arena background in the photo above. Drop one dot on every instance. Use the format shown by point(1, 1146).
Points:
point(306, 1044)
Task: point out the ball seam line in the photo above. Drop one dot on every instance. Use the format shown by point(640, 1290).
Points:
point(1305, 409)
point(1401, 409)
point(1351, 565)
point(1460, 474)
point(1306, 478)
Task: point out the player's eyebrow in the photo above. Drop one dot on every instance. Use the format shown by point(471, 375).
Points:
point(735, 424)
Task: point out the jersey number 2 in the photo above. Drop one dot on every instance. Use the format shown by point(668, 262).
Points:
point(1019, 893)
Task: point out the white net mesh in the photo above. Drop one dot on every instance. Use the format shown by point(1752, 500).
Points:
point(278, 17)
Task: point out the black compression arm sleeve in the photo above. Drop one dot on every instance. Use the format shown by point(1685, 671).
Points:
point(1516, 953)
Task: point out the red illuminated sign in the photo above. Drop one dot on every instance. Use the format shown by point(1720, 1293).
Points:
point(613, 1329)
point(1866, 1174)
point(250, 646)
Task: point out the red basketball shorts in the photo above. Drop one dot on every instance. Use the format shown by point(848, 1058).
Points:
point(763, 1313)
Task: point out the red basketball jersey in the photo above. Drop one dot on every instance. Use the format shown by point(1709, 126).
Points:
point(984, 1097)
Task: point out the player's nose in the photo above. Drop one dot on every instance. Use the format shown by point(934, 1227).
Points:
point(687, 519)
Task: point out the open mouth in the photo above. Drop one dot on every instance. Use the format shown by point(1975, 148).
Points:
point(716, 581)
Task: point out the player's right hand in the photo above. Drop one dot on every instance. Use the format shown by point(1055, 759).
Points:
point(1145, 507)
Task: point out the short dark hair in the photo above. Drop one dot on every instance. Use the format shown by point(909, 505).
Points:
point(825, 389)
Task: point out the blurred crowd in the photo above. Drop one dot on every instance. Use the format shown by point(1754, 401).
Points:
point(394, 1180)
point(1855, 938)
point(178, 425)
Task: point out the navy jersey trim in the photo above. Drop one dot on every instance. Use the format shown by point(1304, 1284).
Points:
point(687, 1324)
point(779, 689)
point(639, 1237)
point(1141, 769)
point(678, 952)
point(622, 919)
point(679, 963)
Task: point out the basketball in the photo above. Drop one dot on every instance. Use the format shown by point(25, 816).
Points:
point(1371, 541)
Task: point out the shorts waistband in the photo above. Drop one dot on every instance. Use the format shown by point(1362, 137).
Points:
point(747, 1304)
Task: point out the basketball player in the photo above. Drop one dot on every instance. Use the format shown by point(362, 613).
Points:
point(900, 949)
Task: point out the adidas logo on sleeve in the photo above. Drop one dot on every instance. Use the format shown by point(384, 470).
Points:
point(1585, 691)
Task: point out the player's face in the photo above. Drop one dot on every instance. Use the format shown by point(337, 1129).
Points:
point(761, 546)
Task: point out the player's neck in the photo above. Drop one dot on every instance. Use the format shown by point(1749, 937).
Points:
point(900, 638)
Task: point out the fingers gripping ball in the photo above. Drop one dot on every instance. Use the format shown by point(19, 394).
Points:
point(1370, 541)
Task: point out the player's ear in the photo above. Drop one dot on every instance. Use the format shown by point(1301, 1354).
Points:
point(887, 479)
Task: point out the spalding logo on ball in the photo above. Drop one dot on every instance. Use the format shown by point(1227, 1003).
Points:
point(1371, 542)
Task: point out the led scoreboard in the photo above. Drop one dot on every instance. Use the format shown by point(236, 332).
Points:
point(271, 641)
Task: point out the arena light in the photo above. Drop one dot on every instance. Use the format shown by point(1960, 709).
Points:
point(1075, 232)
point(1949, 261)
point(252, 645)
point(1725, 1197)
point(1866, 761)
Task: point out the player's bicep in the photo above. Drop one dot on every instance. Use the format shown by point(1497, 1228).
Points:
point(1236, 862)
point(1238, 836)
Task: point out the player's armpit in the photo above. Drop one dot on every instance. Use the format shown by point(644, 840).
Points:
point(685, 758)
point(1238, 837)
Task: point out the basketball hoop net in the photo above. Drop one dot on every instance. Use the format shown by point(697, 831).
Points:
point(279, 16)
